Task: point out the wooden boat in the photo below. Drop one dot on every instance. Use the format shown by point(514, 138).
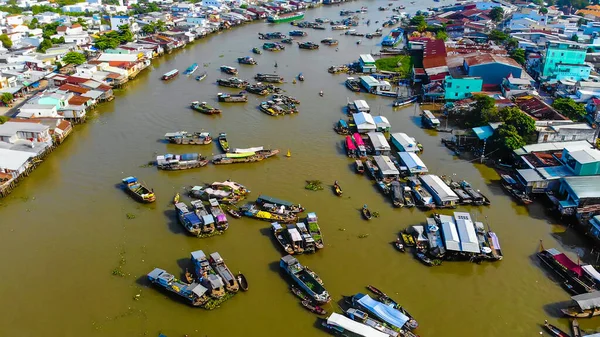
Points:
point(229, 70)
point(247, 60)
point(246, 157)
point(191, 69)
point(409, 200)
point(189, 138)
point(353, 84)
point(207, 221)
point(232, 82)
point(384, 308)
point(408, 239)
point(330, 42)
point(233, 213)
point(273, 46)
point(584, 306)
point(233, 98)
point(424, 259)
point(510, 185)
point(169, 75)
point(138, 190)
point(363, 317)
point(366, 213)
point(188, 276)
point(258, 89)
point(300, 77)
point(395, 192)
point(242, 281)
point(337, 189)
point(554, 331)
point(308, 45)
point(269, 78)
point(307, 281)
point(205, 108)
point(359, 167)
point(201, 76)
point(218, 264)
point(223, 142)
point(298, 292)
point(256, 51)
point(278, 232)
point(297, 33)
point(219, 216)
point(404, 101)
point(398, 244)
point(262, 200)
point(575, 329)
point(175, 162)
point(313, 308)
point(194, 293)
point(567, 271)
point(315, 230)
point(207, 275)
point(287, 41)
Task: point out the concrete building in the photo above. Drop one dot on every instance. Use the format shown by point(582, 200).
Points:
point(577, 193)
point(491, 68)
point(372, 85)
point(367, 63)
point(461, 87)
point(563, 131)
point(565, 60)
point(14, 162)
point(512, 86)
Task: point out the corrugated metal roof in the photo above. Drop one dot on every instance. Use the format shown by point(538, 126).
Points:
point(476, 60)
point(413, 162)
point(385, 165)
point(378, 140)
point(584, 187)
point(437, 186)
point(13, 160)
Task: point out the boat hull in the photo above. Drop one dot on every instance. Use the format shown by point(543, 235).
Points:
point(288, 18)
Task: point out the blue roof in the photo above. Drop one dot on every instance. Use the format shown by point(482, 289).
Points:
point(192, 218)
point(208, 219)
point(383, 312)
point(483, 132)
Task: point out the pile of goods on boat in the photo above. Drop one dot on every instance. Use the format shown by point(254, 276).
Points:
point(271, 36)
point(268, 78)
point(452, 238)
point(308, 45)
point(247, 60)
point(273, 46)
point(174, 162)
point(279, 105)
point(233, 82)
point(138, 190)
point(229, 70)
point(301, 237)
point(263, 89)
point(307, 302)
point(233, 98)
point(338, 69)
point(188, 138)
point(330, 42)
point(200, 220)
point(577, 279)
point(249, 155)
point(306, 279)
point(226, 192)
point(210, 284)
point(205, 108)
point(273, 210)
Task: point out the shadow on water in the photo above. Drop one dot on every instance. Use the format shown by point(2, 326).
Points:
point(339, 147)
point(184, 264)
point(173, 223)
point(553, 309)
point(268, 232)
point(143, 281)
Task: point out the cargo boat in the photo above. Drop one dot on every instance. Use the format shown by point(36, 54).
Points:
point(251, 211)
point(279, 234)
point(188, 138)
point(223, 143)
point(170, 75)
point(314, 230)
point(229, 70)
point(429, 120)
point(269, 78)
point(233, 98)
point(247, 60)
point(571, 274)
point(233, 82)
point(393, 38)
point(263, 200)
point(404, 101)
point(386, 313)
point(194, 293)
point(174, 162)
point(206, 275)
point(205, 108)
point(217, 212)
point(247, 157)
point(138, 190)
point(297, 33)
point(308, 281)
point(218, 264)
point(353, 84)
point(208, 221)
point(308, 45)
point(273, 46)
point(285, 17)
point(584, 306)
point(189, 219)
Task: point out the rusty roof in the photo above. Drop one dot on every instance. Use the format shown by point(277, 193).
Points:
point(73, 88)
point(78, 100)
point(434, 48)
point(434, 62)
point(487, 58)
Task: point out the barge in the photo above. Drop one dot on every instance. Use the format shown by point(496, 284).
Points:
point(308, 281)
point(194, 293)
point(174, 162)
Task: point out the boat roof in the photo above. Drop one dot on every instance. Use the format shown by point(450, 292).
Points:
point(451, 239)
point(350, 144)
point(289, 260)
point(378, 140)
point(213, 202)
point(468, 237)
point(343, 123)
point(250, 149)
point(216, 257)
point(431, 117)
point(386, 313)
point(239, 155)
point(301, 225)
point(386, 165)
point(156, 273)
point(565, 261)
point(230, 184)
point(311, 217)
point(192, 218)
point(197, 289)
point(592, 272)
point(130, 180)
point(266, 199)
point(353, 326)
point(588, 300)
point(419, 230)
point(215, 281)
point(358, 139)
point(407, 143)
point(412, 161)
point(276, 226)
point(208, 219)
point(198, 255)
point(437, 186)
point(294, 234)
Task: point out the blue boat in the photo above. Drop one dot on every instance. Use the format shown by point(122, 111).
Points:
point(206, 275)
point(393, 38)
point(307, 280)
point(188, 219)
point(386, 313)
point(194, 293)
point(190, 70)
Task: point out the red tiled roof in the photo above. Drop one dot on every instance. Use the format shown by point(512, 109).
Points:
point(114, 76)
point(73, 88)
point(76, 25)
point(438, 77)
point(419, 71)
point(104, 87)
point(78, 100)
point(61, 28)
point(63, 125)
point(77, 80)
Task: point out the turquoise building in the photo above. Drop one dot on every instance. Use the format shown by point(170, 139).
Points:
point(584, 162)
point(565, 60)
point(459, 88)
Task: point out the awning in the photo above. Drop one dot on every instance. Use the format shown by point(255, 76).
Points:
point(592, 272)
point(588, 300)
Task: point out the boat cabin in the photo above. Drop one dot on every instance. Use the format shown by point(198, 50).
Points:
point(344, 325)
point(387, 169)
point(359, 105)
point(429, 120)
point(379, 143)
point(411, 163)
point(262, 199)
point(161, 277)
point(295, 239)
point(442, 194)
point(216, 285)
point(364, 122)
point(403, 142)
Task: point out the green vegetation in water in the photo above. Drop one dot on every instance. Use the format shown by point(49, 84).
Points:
point(436, 262)
point(148, 164)
point(118, 271)
point(401, 64)
point(362, 236)
point(130, 216)
point(208, 235)
point(221, 56)
point(313, 185)
point(214, 303)
point(375, 214)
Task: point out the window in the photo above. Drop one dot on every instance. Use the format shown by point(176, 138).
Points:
point(467, 87)
point(455, 94)
point(574, 137)
point(458, 87)
point(563, 138)
point(562, 54)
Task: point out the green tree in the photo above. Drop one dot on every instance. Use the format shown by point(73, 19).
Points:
point(581, 22)
point(543, 10)
point(522, 122)
point(33, 24)
point(6, 98)
point(570, 109)
point(518, 55)
point(497, 14)
point(417, 20)
point(74, 58)
point(483, 112)
point(498, 36)
point(506, 138)
point(149, 28)
point(4, 119)
point(125, 34)
point(44, 45)
point(57, 40)
point(50, 29)
point(161, 26)
point(575, 38)
point(6, 41)
point(422, 27)
point(82, 23)
point(441, 35)
point(512, 43)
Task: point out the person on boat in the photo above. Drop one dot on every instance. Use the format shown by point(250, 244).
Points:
point(275, 64)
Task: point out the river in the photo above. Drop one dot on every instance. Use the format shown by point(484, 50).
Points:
point(64, 229)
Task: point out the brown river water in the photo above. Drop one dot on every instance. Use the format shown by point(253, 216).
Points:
point(64, 229)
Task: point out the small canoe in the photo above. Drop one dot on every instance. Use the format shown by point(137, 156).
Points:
point(138, 190)
point(576, 331)
point(408, 239)
point(398, 244)
point(424, 259)
point(242, 281)
point(313, 308)
point(234, 213)
point(299, 293)
point(376, 291)
point(554, 331)
point(366, 213)
point(223, 142)
point(337, 189)
point(188, 276)
point(201, 76)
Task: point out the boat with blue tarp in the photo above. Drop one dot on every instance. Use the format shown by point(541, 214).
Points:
point(191, 69)
point(393, 38)
point(307, 280)
point(386, 313)
point(247, 60)
point(207, 220)
point(194, 293)
point(188, 219)
point(138, 190)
